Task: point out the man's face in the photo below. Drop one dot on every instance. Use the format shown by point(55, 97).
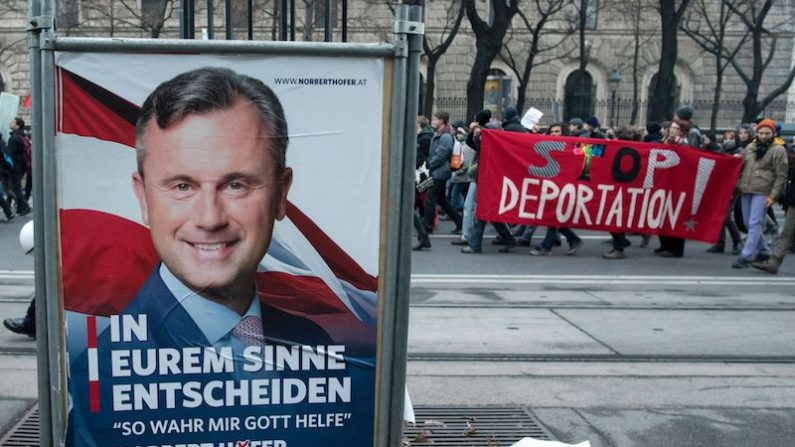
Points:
point(436, 123)
point(764, 134)
point(556, 131)
point(13, 125)
point(210, 194)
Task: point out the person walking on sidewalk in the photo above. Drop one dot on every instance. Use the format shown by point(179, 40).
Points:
point(17, 144)
point(424, 136)
point(784, 242)
point(439, 154)
point(25, 325)
point(762, 181)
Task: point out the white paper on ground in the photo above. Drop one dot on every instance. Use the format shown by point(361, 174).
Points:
point(531, 117)
point(530, 442)
point(408, 409)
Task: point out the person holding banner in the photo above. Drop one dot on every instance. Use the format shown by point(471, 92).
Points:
point(762, 182)
point(681, 132)
point(619, 239)
point(468, 221)
point(505, 238)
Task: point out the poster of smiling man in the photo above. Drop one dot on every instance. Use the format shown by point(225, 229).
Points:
point(219, 220)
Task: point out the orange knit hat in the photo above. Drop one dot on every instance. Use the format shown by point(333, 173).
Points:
point(767, 122)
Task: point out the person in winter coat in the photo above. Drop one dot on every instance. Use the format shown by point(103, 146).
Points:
point(787, 235)
point(16, 148)
point(591, 126)
point(439, 154)
point(511, 121)
point(764, 176)
point(424, 136)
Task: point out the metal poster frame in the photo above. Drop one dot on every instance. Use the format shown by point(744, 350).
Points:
point(401, 57)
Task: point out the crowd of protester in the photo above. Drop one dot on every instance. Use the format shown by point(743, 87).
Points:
point(449, 152)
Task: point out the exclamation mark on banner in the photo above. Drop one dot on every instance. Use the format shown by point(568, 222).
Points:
point(705, 167)
point(93, 364)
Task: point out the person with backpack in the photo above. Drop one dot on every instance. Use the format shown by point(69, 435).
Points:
point(439, 153)
point(5, 174)
point(19, 150)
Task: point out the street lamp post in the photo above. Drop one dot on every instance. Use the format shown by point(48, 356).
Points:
point(613, 79)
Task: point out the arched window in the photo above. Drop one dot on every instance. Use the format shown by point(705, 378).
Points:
point(578, 96)
point(498, 91)
point(676, 95)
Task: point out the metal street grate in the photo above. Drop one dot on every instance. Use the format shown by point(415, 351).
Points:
point(436, 426)
point(471, 427)
point(25, 433)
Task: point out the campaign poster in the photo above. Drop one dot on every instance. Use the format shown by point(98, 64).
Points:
point(219, 236)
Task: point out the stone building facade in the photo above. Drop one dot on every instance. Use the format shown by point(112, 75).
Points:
point(609, 47)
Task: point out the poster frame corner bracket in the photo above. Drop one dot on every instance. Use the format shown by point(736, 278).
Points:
point(40, 22)
point(48, 40)
point(409, 27)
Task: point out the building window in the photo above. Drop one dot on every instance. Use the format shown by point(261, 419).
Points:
point(498, 92)
point(591, 13)
point(2, 84)
point(67, 13)
point(676, 96)
point(578, 95)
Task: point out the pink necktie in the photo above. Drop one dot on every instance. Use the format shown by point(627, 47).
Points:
point(249, 331)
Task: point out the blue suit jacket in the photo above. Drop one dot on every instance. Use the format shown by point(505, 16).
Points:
point(170, 326)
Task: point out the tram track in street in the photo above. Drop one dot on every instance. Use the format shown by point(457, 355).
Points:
point(597, 358)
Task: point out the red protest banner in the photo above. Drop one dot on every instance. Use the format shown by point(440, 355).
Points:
point(607, 185)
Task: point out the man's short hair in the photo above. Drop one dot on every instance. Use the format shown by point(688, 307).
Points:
point(20, 122)
point(629, 133)
point(444, 116)
point(422, 121)
point(206, 90)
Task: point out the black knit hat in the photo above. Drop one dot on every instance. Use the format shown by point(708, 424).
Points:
point(653, 127)
point(483, 117)
point(685, 113)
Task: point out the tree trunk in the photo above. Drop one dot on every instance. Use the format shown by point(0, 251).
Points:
point(751, 107)
point(430, 86)
point(716, 98)
point(275, 23)
point(633, 119)
point(582, 19)
point(528, 68)
point(477, 76)
point(662, 100)
point(751, 101)
point(488, 42)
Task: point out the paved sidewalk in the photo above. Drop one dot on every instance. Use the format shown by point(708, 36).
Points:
point(18, 388)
